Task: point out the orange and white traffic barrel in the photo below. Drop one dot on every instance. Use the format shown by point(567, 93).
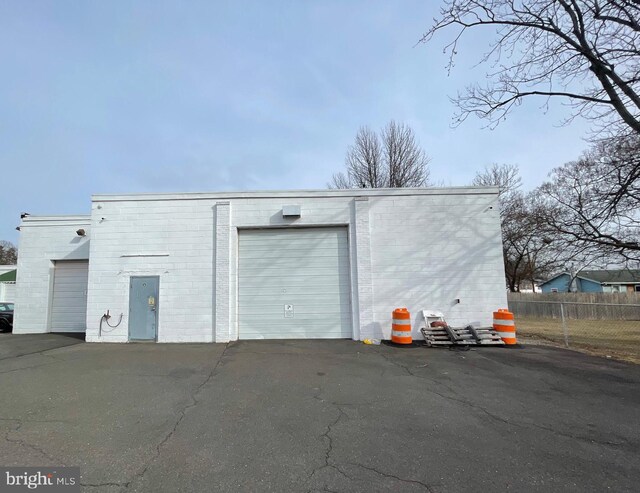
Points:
point(401, 327)
point(505, 325)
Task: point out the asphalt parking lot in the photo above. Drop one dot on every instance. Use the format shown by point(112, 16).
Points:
point(319, 416)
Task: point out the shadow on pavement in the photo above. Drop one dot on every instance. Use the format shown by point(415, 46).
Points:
point(15, 345)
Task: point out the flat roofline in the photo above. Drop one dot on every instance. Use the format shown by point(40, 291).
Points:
point(266, 194)
point(32, 220)
point(60, 217)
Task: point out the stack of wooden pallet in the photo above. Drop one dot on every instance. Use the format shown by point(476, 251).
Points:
point(446, 336)
point(437, 332)
point(486, 336)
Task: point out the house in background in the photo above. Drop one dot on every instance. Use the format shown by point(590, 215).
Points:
point(7, 283)
point(595, 281)
point(530, 286)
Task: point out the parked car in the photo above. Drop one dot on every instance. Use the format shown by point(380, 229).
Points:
point(6, 317)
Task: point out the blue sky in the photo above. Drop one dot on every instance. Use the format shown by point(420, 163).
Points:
point(138, 96)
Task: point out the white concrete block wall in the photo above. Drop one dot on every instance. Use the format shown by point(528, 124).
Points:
point(44, 239)
point(174, 238)
point(428, 251)
point(361, 233)
point(420, 249)
point(170, 239)
point(222, 260)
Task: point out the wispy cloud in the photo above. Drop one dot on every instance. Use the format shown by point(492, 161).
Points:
point(143, 96)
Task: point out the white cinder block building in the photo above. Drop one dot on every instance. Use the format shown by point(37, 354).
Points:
point(216, 267)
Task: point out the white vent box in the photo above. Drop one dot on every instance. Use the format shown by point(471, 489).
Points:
point(290, 211)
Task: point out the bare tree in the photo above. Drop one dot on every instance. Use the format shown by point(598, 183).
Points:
point(526, 256)
point(393, 159)
point(586, 51)
point(364, 163)
point(593, 204)
point(8, 253)
point(405, 162)
point(504, 176)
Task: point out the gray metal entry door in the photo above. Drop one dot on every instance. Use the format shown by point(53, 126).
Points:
point(143, 308)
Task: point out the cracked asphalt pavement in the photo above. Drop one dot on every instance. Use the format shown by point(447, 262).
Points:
point(319, 416)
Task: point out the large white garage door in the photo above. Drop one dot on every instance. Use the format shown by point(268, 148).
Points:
point(69, 304)
point(294, 284)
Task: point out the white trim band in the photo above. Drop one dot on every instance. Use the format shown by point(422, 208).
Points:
point(401, 321)
point(506, 323)
point(398, 333)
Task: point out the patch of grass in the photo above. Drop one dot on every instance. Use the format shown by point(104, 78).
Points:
point(619, 339)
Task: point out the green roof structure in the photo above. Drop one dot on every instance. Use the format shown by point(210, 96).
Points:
point(8, 276)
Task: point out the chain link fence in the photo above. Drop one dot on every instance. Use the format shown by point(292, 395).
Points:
point(605, 329)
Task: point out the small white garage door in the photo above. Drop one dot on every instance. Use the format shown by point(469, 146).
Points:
point(69, 304)
point(294, 284)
